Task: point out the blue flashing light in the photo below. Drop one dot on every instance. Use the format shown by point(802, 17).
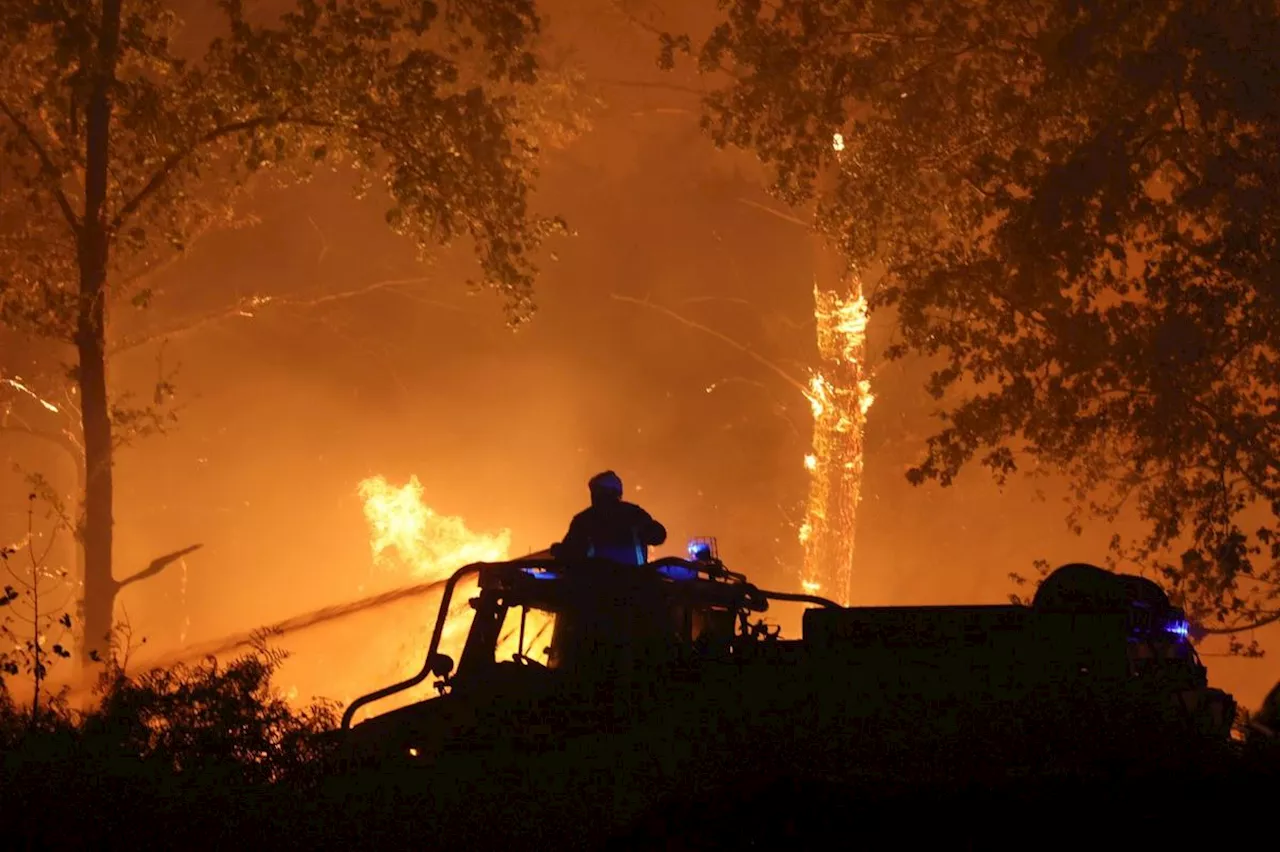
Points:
point(699, 550)
point(678, 572)
point(1179, 628)
point(540, 574)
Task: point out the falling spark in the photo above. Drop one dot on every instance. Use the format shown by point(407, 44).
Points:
point(16, 383)
point(840, 396)
point(837, 142)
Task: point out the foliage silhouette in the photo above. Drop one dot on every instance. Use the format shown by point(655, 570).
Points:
point(119, 151)
point(1073, 208)
point(159, 753)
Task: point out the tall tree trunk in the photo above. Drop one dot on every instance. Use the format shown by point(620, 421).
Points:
point(94, 244)
point(99, 582)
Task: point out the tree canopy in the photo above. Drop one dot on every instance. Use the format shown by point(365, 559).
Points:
point(1074, 205)
point(121, 144)
point(418, 98)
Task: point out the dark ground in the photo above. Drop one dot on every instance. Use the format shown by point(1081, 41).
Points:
point(66, 804)
point(1156, 809)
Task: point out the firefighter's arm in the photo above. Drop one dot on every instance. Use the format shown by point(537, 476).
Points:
point(654, 532)
point(574, 541)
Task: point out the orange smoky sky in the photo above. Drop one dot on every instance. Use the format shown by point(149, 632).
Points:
point(369, 363)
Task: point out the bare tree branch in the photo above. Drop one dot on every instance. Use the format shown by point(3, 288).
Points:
point(1239, 628)
point(693, 300)
point(746, 350)
point(245, 308)
point(634, 19)
point(644, 84)
point(157, 565)
point(777, 213)
point(61, 439)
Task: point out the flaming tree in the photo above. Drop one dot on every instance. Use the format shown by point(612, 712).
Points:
point(1075, 205)
point(840, 394)
point(118, 151)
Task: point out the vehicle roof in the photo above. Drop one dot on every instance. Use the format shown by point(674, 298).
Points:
point(553, 583)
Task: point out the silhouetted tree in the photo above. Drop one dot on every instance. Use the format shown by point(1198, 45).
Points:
point(1075, 206)
point(118, 151)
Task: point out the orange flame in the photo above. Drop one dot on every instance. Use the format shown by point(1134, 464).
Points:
point(429, 545)
point(407, 536)
point(840, 396)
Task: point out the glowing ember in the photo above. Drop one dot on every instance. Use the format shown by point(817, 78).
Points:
point(16, 384)
point(840, 395)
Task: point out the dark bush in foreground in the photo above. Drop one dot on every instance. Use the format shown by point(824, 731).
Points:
point(164, 758)
point(218, 722)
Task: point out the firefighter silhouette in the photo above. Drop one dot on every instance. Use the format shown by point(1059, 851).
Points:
point(610, 528)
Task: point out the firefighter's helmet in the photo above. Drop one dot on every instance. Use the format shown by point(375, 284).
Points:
point(606, 484)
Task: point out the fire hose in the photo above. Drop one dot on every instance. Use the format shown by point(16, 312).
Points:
point(295, 624)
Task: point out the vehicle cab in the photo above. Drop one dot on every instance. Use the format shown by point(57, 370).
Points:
point(599, 620)
point(543, 625)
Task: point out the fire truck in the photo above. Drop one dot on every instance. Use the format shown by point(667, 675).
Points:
point(672, 659)
point(588, 695)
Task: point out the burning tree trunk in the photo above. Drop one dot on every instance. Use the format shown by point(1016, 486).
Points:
point(840, 393)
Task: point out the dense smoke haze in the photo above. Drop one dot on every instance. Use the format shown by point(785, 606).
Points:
point(364, 362)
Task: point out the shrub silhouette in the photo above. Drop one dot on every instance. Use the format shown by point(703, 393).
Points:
point(218, 722)
point(166, 757)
